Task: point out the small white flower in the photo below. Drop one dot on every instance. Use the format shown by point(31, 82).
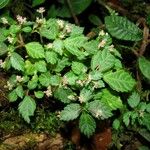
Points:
point(81, 99)
point(41, 10)
point(101, 33)
point(60, 23)
point(111, 48)
point(49, 45)
point(39, 20)
point(102, 43)
point(98, 113)
point(2, 64)
point(64, 81)
point(4, 20)
point(21, 19)
point(9, 86)
point(48, 92)
point(71, 97)
point(68, 28)
point(81, 83)
point(61, 36)
point(19, 78)
point(10, 39)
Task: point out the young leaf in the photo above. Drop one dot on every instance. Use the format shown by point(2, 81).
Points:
point(58, 46)
point(12, 96)
point(63, 94)
point(102, 61)
point(3, 3)
point(51, 57)
point(19, 91)
point(29, 68)
point(70, 112)
point(45, 79)
point(87, 124)
point(3, 48)
point(39, 94)
point(32, 84)
point(120, 80)
point(17, 61)
point(40, 66)
point(126, 118)
point(144, 65)
point(134, 100)
point(35, 50)
point(27, 108)
point(122, 28)
point(99, 110)
point(71, 78)
point(112, 101)
point(78, 67)
point(55, 80)
point(116, 124)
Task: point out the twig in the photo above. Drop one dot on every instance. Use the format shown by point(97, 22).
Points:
point(72, 12)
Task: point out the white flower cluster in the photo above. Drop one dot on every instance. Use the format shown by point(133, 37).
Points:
point(2, 64)
point(48, 92)
point(8, 86)
point(4, 20)
point(41, 10)
point(21, 19)
point(19, 78)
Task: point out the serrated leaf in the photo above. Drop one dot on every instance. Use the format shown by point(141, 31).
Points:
point(51, 30)
point(17, 61)
point(51, 57)
point(71, 78)
point(146, 120)
point(94, 19)
point(126, 118)
point(116, 124)
point(78, 67)
point(29, 68)
point(122, 28)
point(27, 108)
point(102, 61)
point(3, 48)
point(45, 79)
point(39, 94)
point(148, 108)
point(37, 2)
point(40, 66)
point(63, 94)
point(55, 80)
point(3, 3)
point(134, 100)
point(112, 101)
point(99, 110)
point(120, 80)
point(32, 84)
point(12, 96)
point(144, 66)
point(87, 124)
point(70, 112)
point(35, 50)
point(95, 75)
point(58, 46)
point(19, 91)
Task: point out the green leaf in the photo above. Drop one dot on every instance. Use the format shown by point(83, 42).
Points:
point(126, 118)
point(39, 94)
point(120, 80)
point(20, 91)
point(37, 2)
point(12, 96)
point(58, 46)
point(134, 100)
point(32, 84)
point(3, 48)
point(71, 78)
point(45, 79)
point(51, 57)
point(146, 120)
point(35, 50)
point(99, 110)
point(40, 66)
point(94, 19)
point(144, 133)
point(29, 68)
point(27, 29)
point(78, 68)
point(17, 61)
point(148, 108)
point(95, 75)
point(112, 101)
point(102, 61)
point(78, 7)
point(51, 30)
point(122, 28)
point(70, 112)
point(63, 94)
point(144, 66)
point(14, 29)
point(27, 108)
point(3, 3)
point(87, 124)
point(116, 124)
point(55, 80)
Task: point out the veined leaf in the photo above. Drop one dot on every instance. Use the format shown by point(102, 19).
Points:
point(70, 112)
point(37, 2)
point(134, 99)
point(35, 50)
point(58, 46)
point(32, 84)
point(71, 78)
point(102, 61)
point(40, 66)
point(17, 61)
point(45, 79)
point(3, 48)
point(120, 80)
point(51, 57)
point(19, 91)
point(3, 3)
point(29, 68)
point(27, 108)
point(126, 118)
point(144, 66)
point(39, 94)
point(122, 28)
point(55, 80)
point(87, 124)
point(12, 96)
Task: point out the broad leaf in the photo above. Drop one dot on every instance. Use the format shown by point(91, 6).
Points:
point(12, 96)
point(19, 91)
point(134, 100)
point(45, 79)
point(39, 94)
point(27, 108)
point(32, 84)
point(17, 61)
point(71, 78)
point(126, 118)
point(119, 80)
point(58, 46)
point(35, 50)
point(116, 124)
point(51, 57)
point(122, 28)
point(29, 68)
point(3, 3)
point(87, 124)
point(37, 2)
point(40, 66)
point(102, 61)
point(70, 112)
point(55, 80)
point(3, 48)
point(144, 65)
